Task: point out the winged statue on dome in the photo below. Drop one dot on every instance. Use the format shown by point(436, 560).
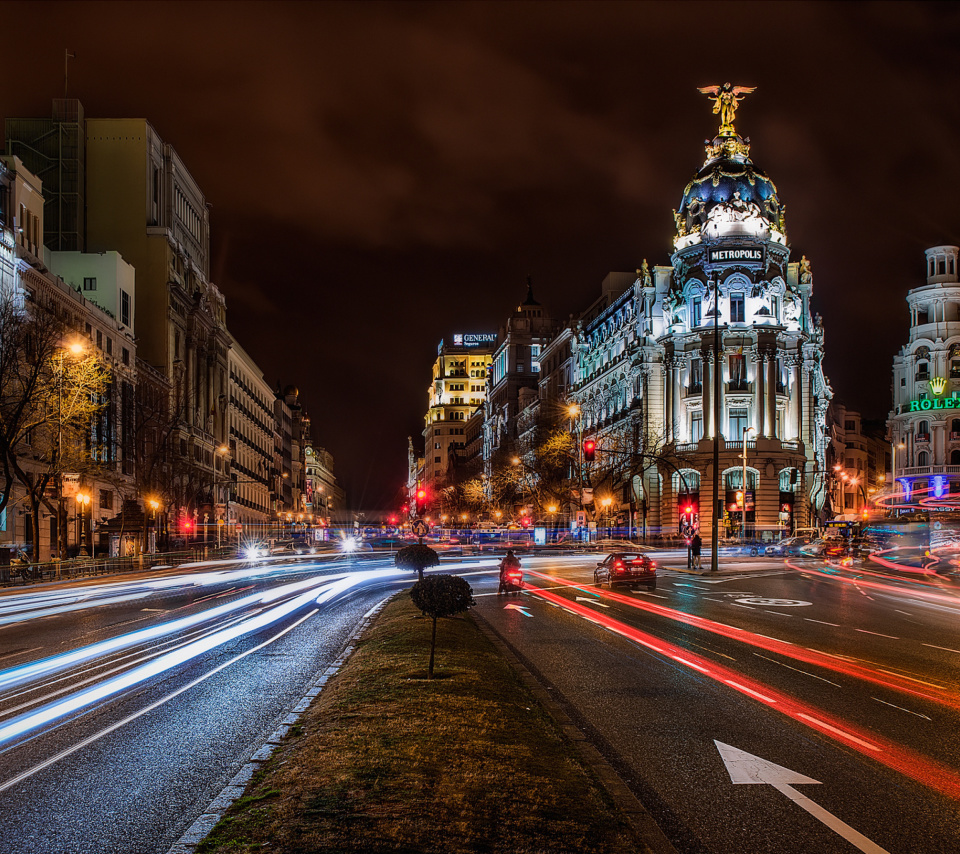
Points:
point(726, 99)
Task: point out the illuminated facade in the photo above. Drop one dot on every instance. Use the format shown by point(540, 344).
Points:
point(722, 343)
point(924, 425)
point(457, 389)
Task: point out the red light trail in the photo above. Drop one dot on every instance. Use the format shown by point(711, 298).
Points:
point(927, 772)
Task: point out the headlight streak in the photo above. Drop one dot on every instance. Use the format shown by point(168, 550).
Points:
point(156, 704)
point(928, 772)
point(890, 681)
point(85, 699)
point(138, 657)
point(26, 672)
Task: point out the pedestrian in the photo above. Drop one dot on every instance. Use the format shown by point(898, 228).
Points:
point(695, 545)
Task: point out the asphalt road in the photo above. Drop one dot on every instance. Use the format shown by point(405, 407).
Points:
point(846, 679)
point(127, 705)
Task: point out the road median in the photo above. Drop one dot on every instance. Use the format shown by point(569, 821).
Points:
point(385, 759)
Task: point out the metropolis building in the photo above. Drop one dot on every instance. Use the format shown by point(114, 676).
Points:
point(722, 343)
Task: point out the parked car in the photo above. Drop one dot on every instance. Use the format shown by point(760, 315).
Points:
point(788, 546)
point(630, 568)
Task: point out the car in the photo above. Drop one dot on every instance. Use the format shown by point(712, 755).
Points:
point(292, 547)
point(825, 547)
point(788, 546)
point(744, 547)
point(631, 568)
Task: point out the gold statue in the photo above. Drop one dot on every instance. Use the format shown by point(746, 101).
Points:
point(726, 98)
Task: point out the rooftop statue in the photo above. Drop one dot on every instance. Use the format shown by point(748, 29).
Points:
point(726, 99)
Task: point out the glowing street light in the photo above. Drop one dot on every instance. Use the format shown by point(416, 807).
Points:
point(83, 502)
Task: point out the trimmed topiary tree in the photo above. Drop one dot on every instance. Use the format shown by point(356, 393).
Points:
point(441, 596)
point(417, 557)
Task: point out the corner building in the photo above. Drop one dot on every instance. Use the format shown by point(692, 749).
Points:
point(731, 310)
point(924, 425)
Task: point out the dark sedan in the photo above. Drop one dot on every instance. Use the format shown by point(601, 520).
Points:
point(630, 568)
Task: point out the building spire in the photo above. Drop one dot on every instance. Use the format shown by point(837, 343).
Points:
point(530, 300)
point(726, 99)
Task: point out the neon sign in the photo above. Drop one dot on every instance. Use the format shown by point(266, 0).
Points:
point(937, 385)
point(943, 403)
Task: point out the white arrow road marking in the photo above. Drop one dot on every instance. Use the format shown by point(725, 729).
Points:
point(591, 601)
point(746, 768)
point(519, 608)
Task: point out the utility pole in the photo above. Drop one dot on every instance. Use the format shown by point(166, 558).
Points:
point(715, 530)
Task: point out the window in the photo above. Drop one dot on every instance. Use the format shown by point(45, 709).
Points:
point(106, 499)
point(99, 339)
point(695, 312)
point(923, 459)
point(738, 371)
point(89, 283)
point(124, 308)
point(696, 374)
point(850, 425)
point(126, 356)
point(736, 308)
point(775, 308)
point(110, 346)
point(923, 427)
point(696, 426)
point(738, 423)
point(954, 460)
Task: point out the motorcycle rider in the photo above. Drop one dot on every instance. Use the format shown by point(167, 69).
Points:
point(510, 561)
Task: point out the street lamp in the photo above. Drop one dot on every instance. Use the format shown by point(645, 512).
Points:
point(83, 502)
point(605, 503)
point(154, 505)
point(75, 348)
point(744, 483)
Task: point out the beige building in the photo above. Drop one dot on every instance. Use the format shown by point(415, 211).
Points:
point(142, 202)
point(245, 502)
point(457, 389)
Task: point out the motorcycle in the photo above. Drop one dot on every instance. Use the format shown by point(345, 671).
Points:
point(511, 580)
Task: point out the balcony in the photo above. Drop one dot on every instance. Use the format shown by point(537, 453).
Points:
point(738, 385)
point(923, 437)
point(955, 436)
point(693, 389)
point(922, 375)
point(914, 471)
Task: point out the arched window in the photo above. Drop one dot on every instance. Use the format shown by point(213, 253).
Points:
point(955, 457)
point(955, 425)
point(923, 426)
point(923, 459)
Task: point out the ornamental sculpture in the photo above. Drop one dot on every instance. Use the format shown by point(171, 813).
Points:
point(726, 99)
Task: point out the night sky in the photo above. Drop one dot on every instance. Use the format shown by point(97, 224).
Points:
point(382, 175)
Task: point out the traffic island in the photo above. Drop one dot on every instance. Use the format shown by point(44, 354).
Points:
point(386, 760)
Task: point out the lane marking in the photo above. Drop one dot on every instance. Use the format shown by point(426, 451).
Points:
point(878, 634)
point(945, 648)
point(901, 708)
point(819, 723)
point(798, 670)
point(821, 622)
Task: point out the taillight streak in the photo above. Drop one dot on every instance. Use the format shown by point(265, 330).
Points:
point(927, 772)
point(888, 680)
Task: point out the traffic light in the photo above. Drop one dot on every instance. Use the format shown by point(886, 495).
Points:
point(589, 450)
point(421, 500)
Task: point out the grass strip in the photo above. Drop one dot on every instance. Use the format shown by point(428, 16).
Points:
point(387, 761)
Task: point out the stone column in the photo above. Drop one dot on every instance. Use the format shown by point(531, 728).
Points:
point(795, 397)
point(677, 396)
point(759, 382)
point(718, 365)
point(670, 393)
point(707, 396)
point(772, 395)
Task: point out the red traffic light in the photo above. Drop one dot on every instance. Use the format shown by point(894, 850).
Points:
point(421, 495)
point(589, 450)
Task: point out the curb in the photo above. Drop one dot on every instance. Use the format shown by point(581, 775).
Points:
point(198, 831)
point(647, 831)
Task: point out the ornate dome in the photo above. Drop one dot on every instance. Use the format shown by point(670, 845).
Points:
point(729, 191)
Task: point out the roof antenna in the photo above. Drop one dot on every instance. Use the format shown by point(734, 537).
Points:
point(67, 56)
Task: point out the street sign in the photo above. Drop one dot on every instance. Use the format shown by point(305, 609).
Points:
point(746, 768)
point(420, 528)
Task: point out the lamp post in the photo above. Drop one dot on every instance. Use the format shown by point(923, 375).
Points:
point(76, 348)
point(573, 410)
point(744, 481)
point(83, 502)
point(893, 463)
point(605, 503)
point(154, 505)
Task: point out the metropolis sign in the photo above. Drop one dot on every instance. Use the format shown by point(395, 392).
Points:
point(735, 253)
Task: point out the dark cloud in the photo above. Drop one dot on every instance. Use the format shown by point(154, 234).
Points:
point(382, 174)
